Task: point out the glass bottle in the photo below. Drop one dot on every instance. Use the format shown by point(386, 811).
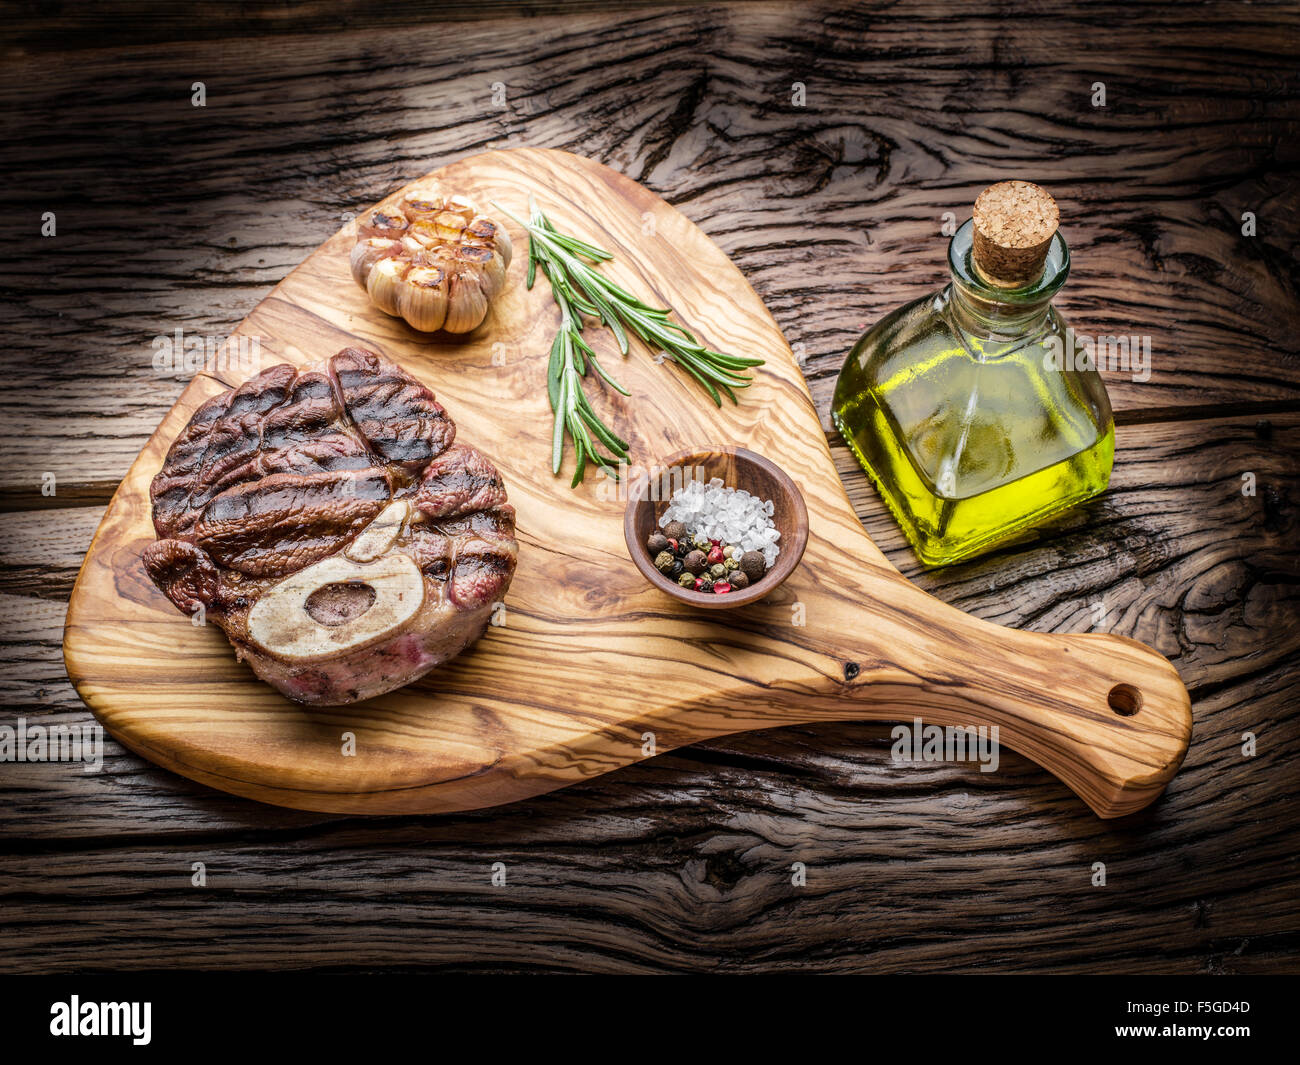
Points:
point(968, 408)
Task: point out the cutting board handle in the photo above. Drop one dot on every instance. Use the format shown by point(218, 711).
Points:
point(1129, 725)
point(1107, 715)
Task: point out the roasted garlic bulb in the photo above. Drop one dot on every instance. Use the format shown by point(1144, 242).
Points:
point(431, 260)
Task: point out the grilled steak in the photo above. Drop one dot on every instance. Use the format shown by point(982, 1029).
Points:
point(327, 521)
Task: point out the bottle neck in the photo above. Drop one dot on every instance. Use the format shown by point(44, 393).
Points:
point(986, 309)
point(981, 312)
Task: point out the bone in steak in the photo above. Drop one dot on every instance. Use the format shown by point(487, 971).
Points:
point(327, 521)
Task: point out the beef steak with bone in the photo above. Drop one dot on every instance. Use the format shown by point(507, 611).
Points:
point(327, 521)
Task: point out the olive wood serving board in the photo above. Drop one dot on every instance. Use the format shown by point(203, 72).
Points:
point(589, 657)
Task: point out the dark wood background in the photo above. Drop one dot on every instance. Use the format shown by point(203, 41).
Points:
point(171, 216)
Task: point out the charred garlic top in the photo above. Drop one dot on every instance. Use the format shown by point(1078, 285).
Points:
point(432, 260)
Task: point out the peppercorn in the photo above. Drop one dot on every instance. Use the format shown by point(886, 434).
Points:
point(728, 551)
point(664, 561)
point(731, 564)
point(721, 588)
point(657, 542)
point(737, 579)
point(702, 543)
point(703, 584)
point(686, 580)
point(717, 571)
point(715, 555)
point(677, 568)
point(695, 562)
point(674, 530)
point(754, 565)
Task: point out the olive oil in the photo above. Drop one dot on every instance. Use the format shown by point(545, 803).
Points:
point(965, 409)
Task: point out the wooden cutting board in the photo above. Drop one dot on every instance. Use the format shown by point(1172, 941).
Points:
point(593, 668)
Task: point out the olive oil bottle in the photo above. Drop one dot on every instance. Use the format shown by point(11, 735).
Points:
point(965, 407)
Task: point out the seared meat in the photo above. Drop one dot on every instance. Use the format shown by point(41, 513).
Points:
point(457, 481)
point(326, 522)
point(396, 415)
point(284, 522)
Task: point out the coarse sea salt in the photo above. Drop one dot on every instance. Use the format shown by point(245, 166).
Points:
point(731, 515)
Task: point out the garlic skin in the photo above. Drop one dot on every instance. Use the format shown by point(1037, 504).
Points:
point(492, 235)
point(423, 298)
point(367, 252)
point(382, 223)
point(467, 303)
point(432, 260)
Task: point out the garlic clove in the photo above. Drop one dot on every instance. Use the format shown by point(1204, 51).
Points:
point(495, 273)
point(448, 226)
point(365, 253)
point(437, 230)
point(384, 283)
point(420, 236)
point(483, 228)
point(423, 299)
point(466, 301)
point(420, 204)
point(488, 234)
point(488, 265)
point(382, 222)
point(438, 255)
point(463, 206)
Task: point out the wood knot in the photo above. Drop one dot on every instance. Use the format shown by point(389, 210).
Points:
point(851, 670)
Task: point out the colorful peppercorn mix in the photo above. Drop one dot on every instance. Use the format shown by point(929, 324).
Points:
point(702, 564)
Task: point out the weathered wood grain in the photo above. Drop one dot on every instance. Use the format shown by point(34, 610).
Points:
point(139, 22)
point(833, 210)
point(687, 866)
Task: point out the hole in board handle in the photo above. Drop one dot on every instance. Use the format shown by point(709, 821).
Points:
point(1125, 700)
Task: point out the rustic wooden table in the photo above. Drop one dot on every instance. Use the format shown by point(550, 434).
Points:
point(171, 216)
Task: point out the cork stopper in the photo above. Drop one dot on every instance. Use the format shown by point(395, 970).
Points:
point(1014, 225)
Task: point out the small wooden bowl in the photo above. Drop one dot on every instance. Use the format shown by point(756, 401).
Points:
point(737, 468)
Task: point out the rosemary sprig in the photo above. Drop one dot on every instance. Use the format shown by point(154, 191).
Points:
point(570, 356)
point(579, 289)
